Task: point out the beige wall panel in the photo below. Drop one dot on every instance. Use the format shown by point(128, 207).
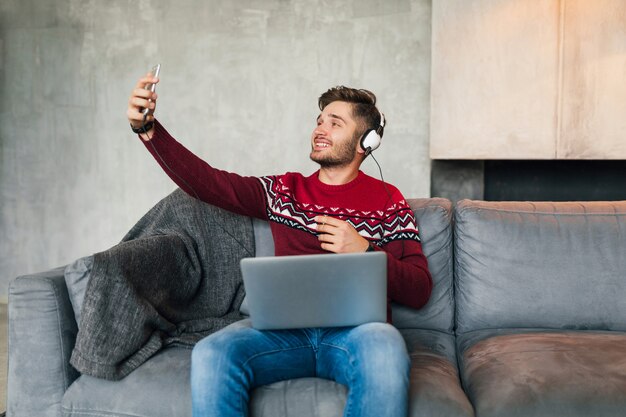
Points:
point(594, 80)
point(494, 79)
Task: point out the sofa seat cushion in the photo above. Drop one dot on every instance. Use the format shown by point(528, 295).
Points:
point(160, 387)
point(548, 373)
point(435, 386)
point(305, 397)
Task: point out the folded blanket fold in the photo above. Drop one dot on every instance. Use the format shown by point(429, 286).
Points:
point(173, 279)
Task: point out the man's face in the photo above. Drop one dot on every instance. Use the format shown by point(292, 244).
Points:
point(333, 142)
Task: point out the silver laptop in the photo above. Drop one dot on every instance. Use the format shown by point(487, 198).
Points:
point(334, 290)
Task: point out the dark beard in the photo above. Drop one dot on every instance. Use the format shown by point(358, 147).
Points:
point(343, 156)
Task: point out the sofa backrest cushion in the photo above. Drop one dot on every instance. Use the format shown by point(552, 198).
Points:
point(433, 217)
point(540, 265)
point(263, 240)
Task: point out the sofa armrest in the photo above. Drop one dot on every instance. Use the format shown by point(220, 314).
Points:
point(42, 333)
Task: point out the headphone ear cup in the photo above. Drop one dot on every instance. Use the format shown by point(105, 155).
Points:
point(370, 139)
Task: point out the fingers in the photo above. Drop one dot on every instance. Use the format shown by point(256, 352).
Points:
point(326, 224)
point(331, 221)
point(328, 247)
point(141, 99)
point(147, 79)
point(143, 93)
point(333, 243)
point(326, 238)
point(333, 226)
point(339, 236)
point(142, 103)
point(137, 106)
point(137, 116)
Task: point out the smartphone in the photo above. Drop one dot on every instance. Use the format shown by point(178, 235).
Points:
point(156, 70)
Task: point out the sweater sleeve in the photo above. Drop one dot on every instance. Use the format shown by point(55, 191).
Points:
point(232, 192)
point(408, 280)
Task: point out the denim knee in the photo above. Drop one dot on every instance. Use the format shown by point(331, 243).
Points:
point(204, 354)
point(214, 351)
point(381, 350)
point(217, 388)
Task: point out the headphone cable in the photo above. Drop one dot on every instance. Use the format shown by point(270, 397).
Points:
point(388, 193)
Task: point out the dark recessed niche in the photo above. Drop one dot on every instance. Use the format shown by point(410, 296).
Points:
point(555, 180)
point(525, 180)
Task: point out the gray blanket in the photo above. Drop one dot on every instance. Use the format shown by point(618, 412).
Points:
point(173, 279)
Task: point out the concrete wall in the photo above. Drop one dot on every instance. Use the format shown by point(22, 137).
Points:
point(240, 82)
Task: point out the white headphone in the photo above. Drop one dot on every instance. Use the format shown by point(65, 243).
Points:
point(371, 139)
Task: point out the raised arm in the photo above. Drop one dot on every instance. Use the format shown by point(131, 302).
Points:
point(230, 191)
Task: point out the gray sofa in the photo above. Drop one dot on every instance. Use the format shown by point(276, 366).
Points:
point(527, 317)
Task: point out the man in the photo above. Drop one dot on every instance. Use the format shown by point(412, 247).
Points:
point(320, 213)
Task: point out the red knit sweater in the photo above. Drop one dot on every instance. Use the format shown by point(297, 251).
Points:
point(290, 202)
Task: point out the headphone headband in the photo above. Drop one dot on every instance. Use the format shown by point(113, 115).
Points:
point(382, 123)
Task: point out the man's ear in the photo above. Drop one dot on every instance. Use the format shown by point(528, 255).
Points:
point(359, 148)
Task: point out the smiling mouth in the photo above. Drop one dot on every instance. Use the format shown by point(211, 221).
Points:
point(319, 144)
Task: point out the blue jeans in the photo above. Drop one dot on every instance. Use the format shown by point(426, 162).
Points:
point(371, 360)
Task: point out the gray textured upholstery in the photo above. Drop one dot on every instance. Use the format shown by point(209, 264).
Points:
point(263, 246)
point(76, 279)
point(434, 223)
point(263, 240)
point(158, 388)
point(435, 390)
point(537, 286)
point(306, 397)
point(42, 332)
point(545, 373)
point(552, 265)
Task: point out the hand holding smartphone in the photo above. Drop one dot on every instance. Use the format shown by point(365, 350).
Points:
point(142, 102)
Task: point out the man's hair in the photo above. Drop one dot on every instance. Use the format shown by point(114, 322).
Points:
point(363, 103)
